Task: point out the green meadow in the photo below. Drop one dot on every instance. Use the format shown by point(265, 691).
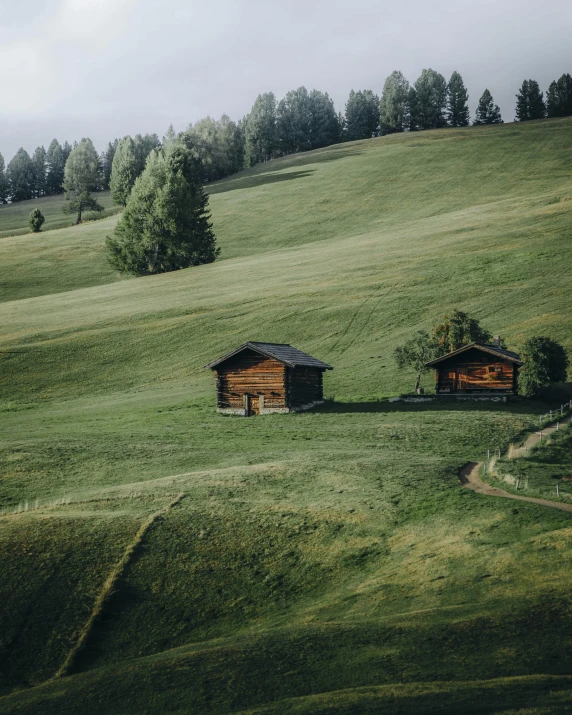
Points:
point(324, 562)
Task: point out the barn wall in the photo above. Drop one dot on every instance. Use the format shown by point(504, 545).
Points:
point(250, 373)
point(305, 386)
point(483, 372)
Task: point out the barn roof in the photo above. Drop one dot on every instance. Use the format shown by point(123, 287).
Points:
point(492, 349)
point(278, 351)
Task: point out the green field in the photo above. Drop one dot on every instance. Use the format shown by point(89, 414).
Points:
point(326, 562)
point(14, 217)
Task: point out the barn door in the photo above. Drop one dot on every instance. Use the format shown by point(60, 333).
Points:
point(255, 404)
point(461, 379)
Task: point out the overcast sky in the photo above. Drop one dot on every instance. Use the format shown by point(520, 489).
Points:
point(106, 68)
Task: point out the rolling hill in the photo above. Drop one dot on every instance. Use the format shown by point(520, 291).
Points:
point(322, 562)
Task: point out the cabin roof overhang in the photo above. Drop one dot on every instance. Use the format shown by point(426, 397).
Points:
point(501, 353)
point(284, 353)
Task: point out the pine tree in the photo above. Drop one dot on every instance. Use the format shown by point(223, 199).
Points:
point(124, 171)
point(20, 175)
point(219, 145)
point(293, 120)
point(324, 124)
point(4, 185)
point(545, 361)
point(559, 97)
point(81, 177)
point(530, 102)
point(36, 220)
point(394, 106)
point(457, 102)
point(106, 161)
point(56, 162)
point(40, 162)
point(429, 101)
point(487, 111)
point(165, 225)
point(260, 130)
point(362, 115)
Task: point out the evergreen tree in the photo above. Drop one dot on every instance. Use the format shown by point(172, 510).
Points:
point(260, 130)
point(67, 150)
point(429, 101)
point(530, 102)
point(362, 115)
point(457, 102)
point(20, 175)
point(324, 123)
point(487, 111)
point(218, 144)
point(106, 161)
point(394, 104)
point(81, 177)
point(40, 162)
point(124, 171)
point(293, 121)
point(36, 220)
point(545, 361)
point(4, 184)
point(559, 97)
point(143, 146)
point(166, 225)
point(56, 162)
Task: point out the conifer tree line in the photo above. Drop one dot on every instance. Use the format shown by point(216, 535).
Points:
point(302, 120)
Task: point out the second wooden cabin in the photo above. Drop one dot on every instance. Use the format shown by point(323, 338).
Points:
point(265, 378)
point(477, 369)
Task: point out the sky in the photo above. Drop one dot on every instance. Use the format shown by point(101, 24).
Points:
point(107, 68)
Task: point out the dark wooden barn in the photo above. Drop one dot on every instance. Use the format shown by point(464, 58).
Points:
point(265, 378)
point(477, 369)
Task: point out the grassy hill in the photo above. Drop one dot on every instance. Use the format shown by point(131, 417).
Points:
point(321, 562)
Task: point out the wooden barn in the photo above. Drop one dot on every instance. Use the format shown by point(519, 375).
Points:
point(477, 369)
point(266, 378)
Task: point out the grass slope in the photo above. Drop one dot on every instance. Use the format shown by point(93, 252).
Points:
point(321, 562)
point(14, 217)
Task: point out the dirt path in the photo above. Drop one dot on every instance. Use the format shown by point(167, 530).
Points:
point(534, 438)
point(469, 478)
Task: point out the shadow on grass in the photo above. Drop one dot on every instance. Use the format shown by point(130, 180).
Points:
point(515, 405)
point(249, 182)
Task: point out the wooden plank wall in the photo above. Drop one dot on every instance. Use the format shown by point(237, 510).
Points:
point(253, 374)
point(486, 373)
point(305, 385)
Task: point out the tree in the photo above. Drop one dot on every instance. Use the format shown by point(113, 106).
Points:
point(530, 102)
point(123, 171)
point(394, 104)
point(415, 353)
point(4, 184)
point(20, 175)
point(362, 115)
point(324, 124)
point(80, 180)
point(106, 161)
point(293, 120)
point(165, 225)
point(487, 111)
point(219, 144)
point(429, 101)
point(457, 329)
point(260, 130)
point(457, 102)
point(559, 97)
point(143, 146)
point(56, 162)
point(36, 221)
point(40, 161)
point(545, 361)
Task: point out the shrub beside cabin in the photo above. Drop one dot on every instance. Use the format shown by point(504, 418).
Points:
point(266, 378)
point(477, 369)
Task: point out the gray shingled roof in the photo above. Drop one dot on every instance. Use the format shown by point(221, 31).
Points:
point(284, 353)
point(492, 349)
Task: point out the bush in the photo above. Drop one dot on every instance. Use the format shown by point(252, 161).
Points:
point(545, 361)
point(36, 221)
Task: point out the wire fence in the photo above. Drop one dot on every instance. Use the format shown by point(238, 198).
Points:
point(550, 420)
